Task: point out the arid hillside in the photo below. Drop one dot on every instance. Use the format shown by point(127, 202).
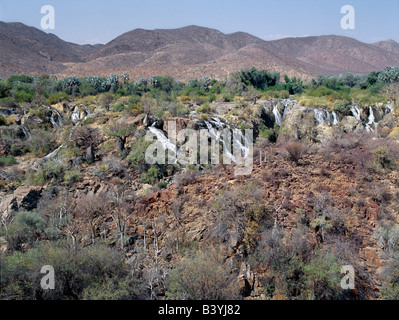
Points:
point(187, 53)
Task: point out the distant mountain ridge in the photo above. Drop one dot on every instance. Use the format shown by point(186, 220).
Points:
point(187, 53)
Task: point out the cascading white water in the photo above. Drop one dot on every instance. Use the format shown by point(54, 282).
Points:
point(286, 109)
point(355, 111)
point(53, 153)
point(217, 122)
point(335, 119)
point(25, 132)
point(320, 116)
point(217, 137)
point(55, 125)
point(240, 142)
point(328, 117)
point(371, 116)
point(388, 108)
point(87, 111)
point(58, 123)
point(167, 145)
point(371, 121)
point(277, 115)
point(287, 103)
point(59, 118)
point(237, 138)
point(75, 115)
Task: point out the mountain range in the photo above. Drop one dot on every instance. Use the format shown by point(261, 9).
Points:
point(187, 53)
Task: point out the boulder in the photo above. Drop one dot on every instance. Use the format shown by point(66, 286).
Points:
point(299, 124)
point(24, 198)
point(181, 123)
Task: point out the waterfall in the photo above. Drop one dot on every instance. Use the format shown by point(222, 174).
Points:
point(371, 120)
point(218, 137)
point(25, 131)
point(240, 142)
point(53, 153)
point(237, 138)
point(277, 115)
point(286, 109)
point(328, 117)
point(335, 118)
point(371, 116)
point(167, 145)
point(388, 108)
point(356, 112)
point(58, 123)
point(75, 115)
point(87, 111)
point(217, 122)
point(59, 117)
point(320, 116)
point(55, 125)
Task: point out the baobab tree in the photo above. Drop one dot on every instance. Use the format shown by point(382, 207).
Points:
point(88, 138)
point(120, 131)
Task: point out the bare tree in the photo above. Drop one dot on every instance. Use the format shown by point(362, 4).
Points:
point(89, 208)
point(295, 150)
point(88, 138)
point(149, 105)
point(121, 212)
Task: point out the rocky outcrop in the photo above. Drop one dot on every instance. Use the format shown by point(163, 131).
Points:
point(299, 124)
point(23, 198)
point(315, 125)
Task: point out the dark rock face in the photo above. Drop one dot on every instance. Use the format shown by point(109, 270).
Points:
point(24, 198)
point(268, 117)
point(28, 197)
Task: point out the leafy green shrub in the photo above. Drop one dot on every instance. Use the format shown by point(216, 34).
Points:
point(201, 276)
point(3, 90)
point(322, 277)
point(381, 157)
point(8, 102)
point(96, 272)
point(151, 176)
point(136, 157)
point(25, 228)
point(6, 161)
point(119, 107)
point(342, 106)
point(2, 121)
point(41, 142)
point(365, 97)
point(57, 97)
point(206, 108)
point(87, 89)
point(19, 79)
point(162, 184)
point(267, 133)
point(72, 176)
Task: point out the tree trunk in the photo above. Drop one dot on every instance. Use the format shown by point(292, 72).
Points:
point(120, 144)
point(90, 154)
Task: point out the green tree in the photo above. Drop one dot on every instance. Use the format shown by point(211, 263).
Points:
point(120, 132)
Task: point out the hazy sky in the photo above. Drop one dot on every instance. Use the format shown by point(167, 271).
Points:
point(99, 21)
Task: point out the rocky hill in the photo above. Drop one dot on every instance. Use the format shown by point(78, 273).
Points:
point(187, 53)
point(29, 50)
